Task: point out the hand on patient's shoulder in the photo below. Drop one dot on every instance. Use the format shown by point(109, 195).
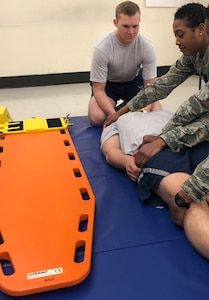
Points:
point(110, 119)
point(113, 117)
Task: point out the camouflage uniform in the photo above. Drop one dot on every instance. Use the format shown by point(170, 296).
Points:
point(190, 124)
point(188, 127)
point(184, 67)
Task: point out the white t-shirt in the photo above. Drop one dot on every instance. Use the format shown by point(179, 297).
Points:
point(117, 62)
point(132, 126)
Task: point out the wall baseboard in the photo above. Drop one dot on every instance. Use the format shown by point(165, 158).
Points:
point(53, 79)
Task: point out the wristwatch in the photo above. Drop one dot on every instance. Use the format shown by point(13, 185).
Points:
point(181, 202)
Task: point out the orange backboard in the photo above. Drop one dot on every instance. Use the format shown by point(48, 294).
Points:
point(46, 213)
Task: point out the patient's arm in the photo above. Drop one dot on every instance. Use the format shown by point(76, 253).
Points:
point(115, 157)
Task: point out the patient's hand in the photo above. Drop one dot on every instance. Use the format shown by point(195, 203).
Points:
point(131, 169)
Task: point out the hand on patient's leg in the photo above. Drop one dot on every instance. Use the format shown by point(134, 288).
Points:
point(177, 213)
point(194, 220)
point(167, 189)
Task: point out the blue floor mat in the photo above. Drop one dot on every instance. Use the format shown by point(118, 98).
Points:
point(138, 252)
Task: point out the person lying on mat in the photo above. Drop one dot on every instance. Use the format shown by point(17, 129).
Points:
point(189, 30)
point(117, 58)
point(121, 139)
point(164, 174)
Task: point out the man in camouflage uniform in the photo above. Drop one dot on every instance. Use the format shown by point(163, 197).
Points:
point(189, 200)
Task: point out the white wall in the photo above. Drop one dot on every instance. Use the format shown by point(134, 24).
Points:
point(57, 36)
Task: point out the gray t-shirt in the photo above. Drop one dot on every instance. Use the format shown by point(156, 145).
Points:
point(116, 62)
point(132, 126)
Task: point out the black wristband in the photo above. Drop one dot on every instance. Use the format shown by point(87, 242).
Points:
point(180, 202)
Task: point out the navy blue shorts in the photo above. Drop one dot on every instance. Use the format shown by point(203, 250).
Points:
point(164, 163)
point(123, 90)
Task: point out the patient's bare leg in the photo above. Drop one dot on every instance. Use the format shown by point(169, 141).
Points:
point(196, 218)
point(196, 226)
point(171, 185)
point(168, 188)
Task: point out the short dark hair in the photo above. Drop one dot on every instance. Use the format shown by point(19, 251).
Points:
point(192, 13)
point(127, 8)
point(207, 12)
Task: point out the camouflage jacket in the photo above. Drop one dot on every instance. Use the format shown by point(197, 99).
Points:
point(189, 126)
point(184, 67)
